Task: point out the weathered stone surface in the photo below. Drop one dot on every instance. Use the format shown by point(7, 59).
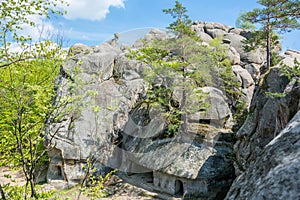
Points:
point(256, 56)
point(243, 75)
point(268, 115)
point(239, 31)
point(218, 110)
point(216, 33)
point(153, 34)
point(156, 34)
point(138, 44)
point(99, 64)
point(290, 56)
point(293, 54)
point(198, 162)
point(115, 41)
point(83, 133)
point(233, 55)
point(105, 48)
point(248, 95)
point(205, 37)
point(275, 172)
point(215, 25)
point(236, 31)
point(80, 49)
point(123, 67)
point(269, 146)
point(186, 157)
point(236, 41)
point(253, 70)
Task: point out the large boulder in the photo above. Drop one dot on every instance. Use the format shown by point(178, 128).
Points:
point(254, 70)
point(293, 54)
point(101, 109)
point(205, 37)
point(80, 49)
point(257, 56)
point(218, 111)
point(243, 76)
point(233, 55)
point(153, 34)
point(246, 81)
point(189, 157)
point(156, 34)
point(216, 33)
point(215, 25)
point(275, 172)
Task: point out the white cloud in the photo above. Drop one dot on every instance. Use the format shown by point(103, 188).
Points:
point(91, 9)
point(42, 29)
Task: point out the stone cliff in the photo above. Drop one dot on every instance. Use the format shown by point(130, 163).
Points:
point(110, 123)
point(268, 143)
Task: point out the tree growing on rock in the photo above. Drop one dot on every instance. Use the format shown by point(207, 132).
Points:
point(178, 67)
point(282, 15)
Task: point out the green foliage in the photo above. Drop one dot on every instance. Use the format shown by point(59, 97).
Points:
point(258, 39)
point(274, 95)
point(233, 92)
point(240, 114)
point(15, 15)
point(181, 26)
point(179, 66)
point(18, 192)
point(14, 192)
point(275, 59)
point(166, 77)
point(291, 71)
point(96, 190)
point(92, 185)
point(243, 23)
point(231, 85)
point(282, 15)
point(26, 94)
point(27, 83)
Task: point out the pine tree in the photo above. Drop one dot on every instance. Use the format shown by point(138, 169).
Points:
point(282, 15)
point(179, 66)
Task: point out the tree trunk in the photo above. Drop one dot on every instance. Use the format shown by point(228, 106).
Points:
point(182, 109)
point(184, 92)
point(33, 191)
point(2, 193)
point(268, 45)
point(184, 103)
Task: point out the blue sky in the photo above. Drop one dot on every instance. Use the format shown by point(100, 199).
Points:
point(94, 21)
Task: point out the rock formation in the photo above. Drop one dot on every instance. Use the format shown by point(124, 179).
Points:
point(268, 147)
point(112, 125)
point(274, 174)
point(102, 109)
